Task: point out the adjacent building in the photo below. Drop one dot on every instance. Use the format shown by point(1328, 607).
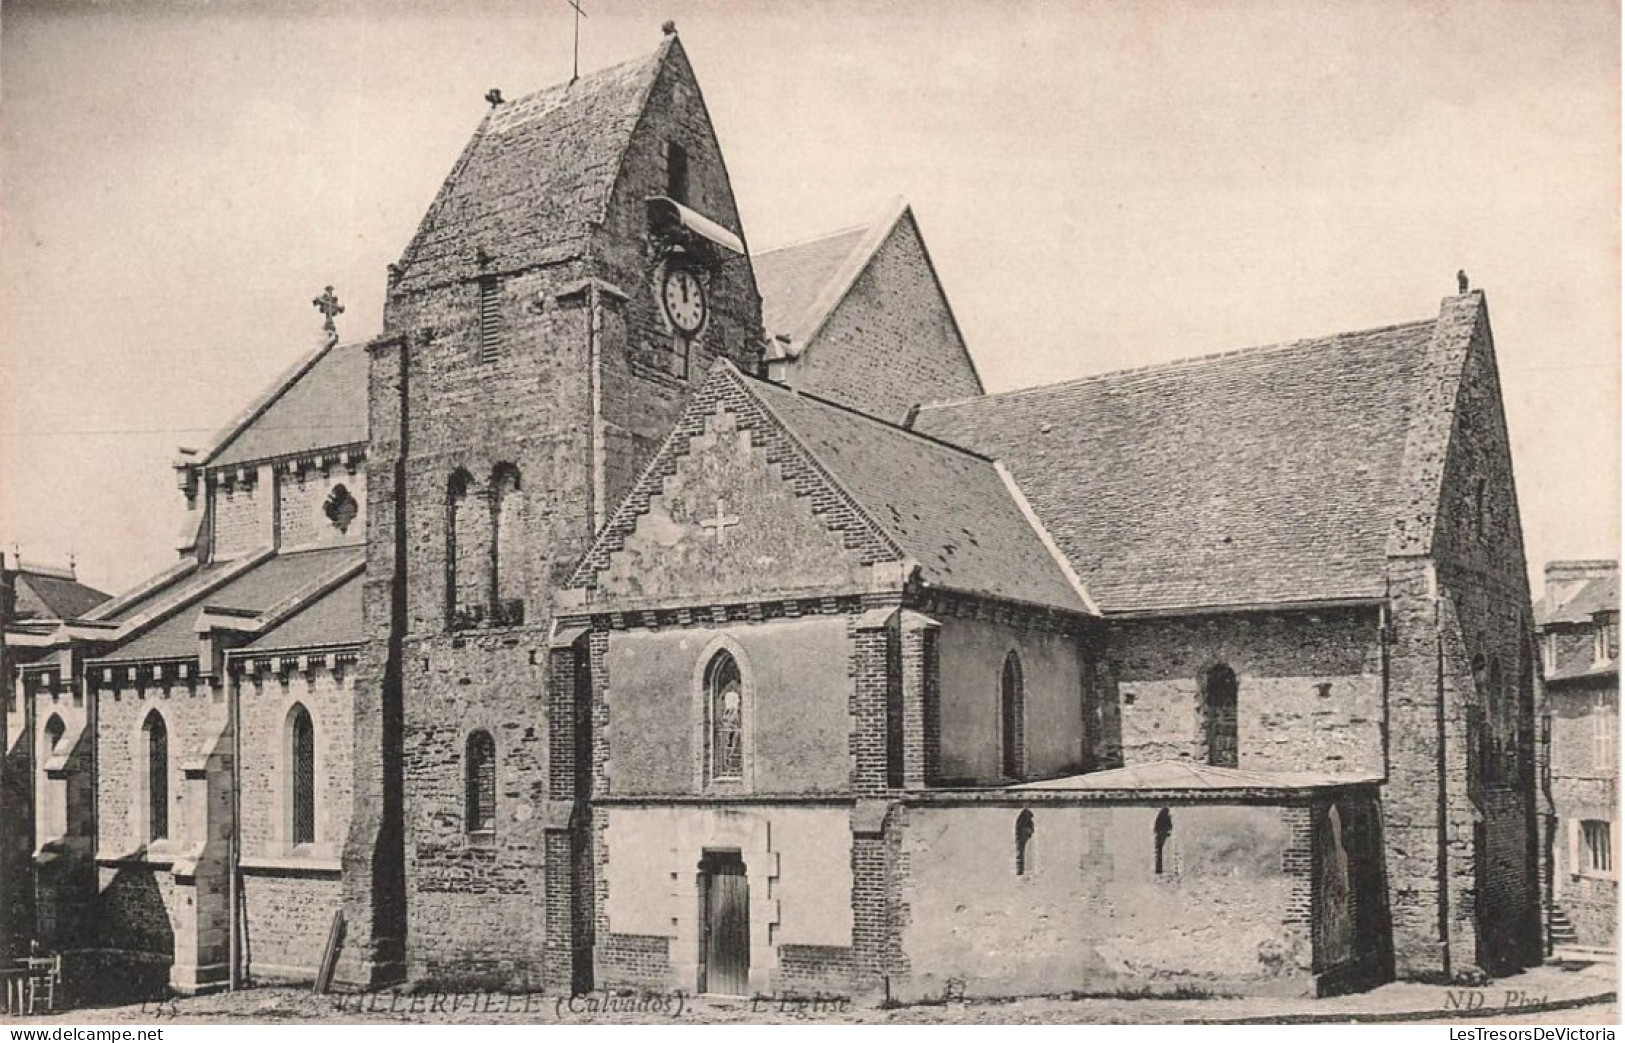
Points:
point(1578, 622)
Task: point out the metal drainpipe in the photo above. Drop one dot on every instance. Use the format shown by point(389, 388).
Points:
point(233, 856)
point(595, 430)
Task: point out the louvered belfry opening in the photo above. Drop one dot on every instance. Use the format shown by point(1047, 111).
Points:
point(490, 318)
point(304, 777)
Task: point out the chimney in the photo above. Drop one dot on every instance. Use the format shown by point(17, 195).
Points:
point(1565, 578)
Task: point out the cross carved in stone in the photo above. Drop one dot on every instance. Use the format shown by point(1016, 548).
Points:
point(329, 306)
point(718, 526)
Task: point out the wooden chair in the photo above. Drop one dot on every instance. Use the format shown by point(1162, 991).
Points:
point(43, 974)
point(16, 994)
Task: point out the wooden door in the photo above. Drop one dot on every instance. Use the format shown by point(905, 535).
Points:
point(725, 914)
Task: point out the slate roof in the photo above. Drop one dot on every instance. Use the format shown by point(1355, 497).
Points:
point(534, 178)
point(320, 404)
point(51, 595)
point(333, 619)
point(129, 605)
point(948, 509)
point(1192, 776)
point(260, 588)
point(791, 279)
point(1265, 476)
point(1578, 602)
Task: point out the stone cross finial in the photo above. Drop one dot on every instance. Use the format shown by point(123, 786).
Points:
point(1461, 280)
point(494, 96)
point(329, 306)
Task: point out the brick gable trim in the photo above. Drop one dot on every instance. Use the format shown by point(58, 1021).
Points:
point(727, 388)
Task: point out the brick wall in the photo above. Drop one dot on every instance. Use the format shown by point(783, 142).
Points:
point(892, 342)
point(1309, 688)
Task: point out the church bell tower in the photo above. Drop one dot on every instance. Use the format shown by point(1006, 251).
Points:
point(577, 274)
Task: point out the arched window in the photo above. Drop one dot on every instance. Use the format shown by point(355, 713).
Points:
point(507, 515)
point(1219, 713)
point(54, 730)
point(1160, 833)
point(481, 783)
point(725, 701)
point(302, 784)
point(156, 735)
point(1010, 718)
point(468, 553)
point(1024, 842)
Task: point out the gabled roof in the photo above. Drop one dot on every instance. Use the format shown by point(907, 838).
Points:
point(319, 403)
point(332, 619)
point(950, 511)
point(1265, 476)
point(793, 278)
point(43, 593)
point(288, 581)
point(536, 176)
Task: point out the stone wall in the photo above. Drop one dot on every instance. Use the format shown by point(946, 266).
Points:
point(1460, 799)
point(242, 515)
point(1309, 688)
point(286, 919)
point(647, 369)
point(797, 721)
point(266, 703)
point(1086, 909)
point(892, 342)
point(312, 511)
point(574, 401)
point(972, 654)
point(1583, 789)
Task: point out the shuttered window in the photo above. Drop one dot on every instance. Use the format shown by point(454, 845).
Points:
point(490, 318)
point(303, 741)
point(482, 783)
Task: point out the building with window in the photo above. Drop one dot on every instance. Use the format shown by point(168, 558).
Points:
point(1578, 623)
point(637, 611)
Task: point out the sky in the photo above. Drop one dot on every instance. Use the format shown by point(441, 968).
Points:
point(1101, 185)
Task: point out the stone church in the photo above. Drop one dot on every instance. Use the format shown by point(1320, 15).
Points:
point(634, 611)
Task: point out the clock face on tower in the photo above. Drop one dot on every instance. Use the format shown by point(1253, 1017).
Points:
point(683, 296)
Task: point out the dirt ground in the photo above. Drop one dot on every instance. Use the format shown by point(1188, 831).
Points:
point(1508, 1002)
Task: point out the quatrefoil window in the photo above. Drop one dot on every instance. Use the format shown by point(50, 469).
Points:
point(340, 508)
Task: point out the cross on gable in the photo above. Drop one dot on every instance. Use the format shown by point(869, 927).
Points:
point(718, 526)
point(329, 306)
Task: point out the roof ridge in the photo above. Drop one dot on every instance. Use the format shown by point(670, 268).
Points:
point(844, 408)
point(809, 240)
point(262, 403)
point(1175, 364)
